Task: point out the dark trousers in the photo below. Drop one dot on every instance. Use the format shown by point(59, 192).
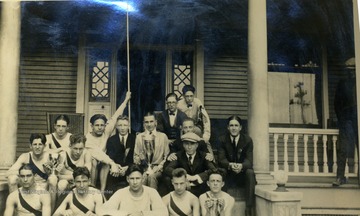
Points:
point(348, 138)
point(244, 179)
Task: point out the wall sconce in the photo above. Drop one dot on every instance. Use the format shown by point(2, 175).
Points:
point(281, 178)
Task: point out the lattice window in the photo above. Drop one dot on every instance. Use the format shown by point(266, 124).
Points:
point(182, 77)
point(100, 81)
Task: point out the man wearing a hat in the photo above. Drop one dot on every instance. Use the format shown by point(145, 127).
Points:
point(195, 109)
point(194, 162)
point(346, 113)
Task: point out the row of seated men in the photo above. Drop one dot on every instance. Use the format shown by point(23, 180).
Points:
point(169, 141)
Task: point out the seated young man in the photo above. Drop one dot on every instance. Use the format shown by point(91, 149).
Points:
point(39, 161)
point(120, 149)
point(75, 156)
point(60, 139)
point(136, 199)
point(194, 162)
point(180, 201)
point(83, 199)
point(28, 200)
point(236, 156)
point(216, 202)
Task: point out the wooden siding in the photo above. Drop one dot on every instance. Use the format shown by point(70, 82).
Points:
point(47, 83)
point(225, 87)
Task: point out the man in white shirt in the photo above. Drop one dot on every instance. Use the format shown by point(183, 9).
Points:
point(136, 199)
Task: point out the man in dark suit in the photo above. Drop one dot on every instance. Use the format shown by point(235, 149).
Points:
point(194, 162)
point(120, 149)
point(236, 156)
point(170, 120)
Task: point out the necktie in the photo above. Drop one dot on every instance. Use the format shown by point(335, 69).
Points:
point(189, 105)
point(190, 157)
point(234, 142)
point(122, 140)
point(172, 113)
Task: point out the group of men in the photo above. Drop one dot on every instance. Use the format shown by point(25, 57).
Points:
point(172, 156)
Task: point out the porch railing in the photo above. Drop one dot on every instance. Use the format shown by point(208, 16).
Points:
point(307, 152)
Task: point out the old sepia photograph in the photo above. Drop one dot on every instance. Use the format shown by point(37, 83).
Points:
point(179, 107)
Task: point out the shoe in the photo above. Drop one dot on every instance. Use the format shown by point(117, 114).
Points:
point(339, 181)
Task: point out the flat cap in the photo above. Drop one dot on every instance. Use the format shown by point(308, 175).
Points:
point(192, 137)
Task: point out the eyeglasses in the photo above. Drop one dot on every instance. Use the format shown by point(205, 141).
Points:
point(171, 102)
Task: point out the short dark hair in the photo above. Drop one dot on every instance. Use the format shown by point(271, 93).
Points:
point(134, 168)
point(234, 117)
point(37, 136)
point(122, 117)
point(188, 119)
point(172, 94)
point(150, 114)
point(218, 171)
point(26, 167)
point(188, 88)
point(78, 171)
point(77, 138)
point(64, 118)
point(96, 117)
point(179, 172)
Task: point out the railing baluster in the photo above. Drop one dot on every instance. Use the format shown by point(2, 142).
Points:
point(286, 165)
point(306, 164)
point(334, 139)
point(276, 164)
point(296, 157)
point(325, 157)
point(316, 165)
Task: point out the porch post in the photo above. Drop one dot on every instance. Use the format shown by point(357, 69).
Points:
point(258, 121)
point(356, 20)
point(9, 79)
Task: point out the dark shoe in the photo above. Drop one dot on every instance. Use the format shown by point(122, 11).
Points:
point(339, 181)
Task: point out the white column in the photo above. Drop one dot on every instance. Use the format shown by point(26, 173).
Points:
point(9, 79)
point(356, 11)
point(258, 120)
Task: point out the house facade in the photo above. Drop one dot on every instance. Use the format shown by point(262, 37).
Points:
point(249, 58)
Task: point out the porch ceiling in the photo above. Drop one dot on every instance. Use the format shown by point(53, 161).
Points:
point(224, 23)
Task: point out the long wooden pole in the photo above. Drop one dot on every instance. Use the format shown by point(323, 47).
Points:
point(128, 61)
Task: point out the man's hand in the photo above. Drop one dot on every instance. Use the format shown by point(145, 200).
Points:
point(172, 157)
point(115, 169)
point(209, 157)
point(236, 167)
point(123, 170)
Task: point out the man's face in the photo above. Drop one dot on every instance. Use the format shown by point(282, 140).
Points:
point(234, 128)
point(190, 147)
point(150, 123)
point(98, 127)
point(82, 184)
point(76, 150)
point(187, 126)
point(171, 103)
point(135, 181)
point(215, 183)
point(123, 127)
point(189, 97)
point(179, 184)
point(37, 147)
point(26, 178)
point(61, 127)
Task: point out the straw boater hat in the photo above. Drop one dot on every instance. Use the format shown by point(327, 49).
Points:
point(350, 63)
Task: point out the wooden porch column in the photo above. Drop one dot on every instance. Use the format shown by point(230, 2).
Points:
point(356, 20)
point(258, 120)
point(9, 79)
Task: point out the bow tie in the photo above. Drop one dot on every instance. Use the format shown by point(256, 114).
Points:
point(171, 113)
point(189, 105)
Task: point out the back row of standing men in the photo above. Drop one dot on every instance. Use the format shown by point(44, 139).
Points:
point(177, 138)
